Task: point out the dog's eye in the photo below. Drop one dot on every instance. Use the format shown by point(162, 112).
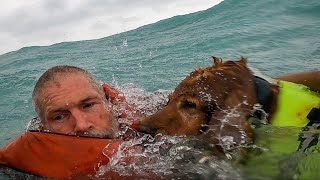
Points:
point(189, 105)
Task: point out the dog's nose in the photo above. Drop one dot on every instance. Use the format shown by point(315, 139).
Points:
point(147, 129)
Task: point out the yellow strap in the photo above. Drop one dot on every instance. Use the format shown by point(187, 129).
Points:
point(294, 103)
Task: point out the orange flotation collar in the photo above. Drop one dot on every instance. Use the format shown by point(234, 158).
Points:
point(58, 156)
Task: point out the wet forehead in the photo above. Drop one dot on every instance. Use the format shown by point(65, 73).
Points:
point(70, 82)
point(65, 79)
point(68, 89)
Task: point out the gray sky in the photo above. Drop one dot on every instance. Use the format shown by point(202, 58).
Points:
point(45, 22)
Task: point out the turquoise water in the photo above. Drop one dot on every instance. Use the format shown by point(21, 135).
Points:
point(277, 37)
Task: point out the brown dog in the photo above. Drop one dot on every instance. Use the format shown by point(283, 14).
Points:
point(216, 102)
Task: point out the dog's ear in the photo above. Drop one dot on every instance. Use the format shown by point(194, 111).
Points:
point(243, 61)
point(230, 119)
point(216, 61)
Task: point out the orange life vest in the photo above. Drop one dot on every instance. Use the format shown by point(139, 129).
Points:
point(57, 156)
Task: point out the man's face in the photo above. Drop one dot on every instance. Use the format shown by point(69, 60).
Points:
point(72, 105)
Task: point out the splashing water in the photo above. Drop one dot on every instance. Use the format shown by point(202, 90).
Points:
point(147, 103)
point(169, 157)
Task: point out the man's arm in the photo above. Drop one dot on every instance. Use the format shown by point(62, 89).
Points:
point(310, 79)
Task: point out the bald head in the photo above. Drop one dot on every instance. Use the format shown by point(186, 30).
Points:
point(55, 77)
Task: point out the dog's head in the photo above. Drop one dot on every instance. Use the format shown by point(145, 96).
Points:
point(213, 101)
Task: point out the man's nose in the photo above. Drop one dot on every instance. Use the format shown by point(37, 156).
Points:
point(82, 123)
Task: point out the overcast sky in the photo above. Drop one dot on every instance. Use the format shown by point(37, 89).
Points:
point(45, 22)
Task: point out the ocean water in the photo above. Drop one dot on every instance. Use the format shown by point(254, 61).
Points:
point(277, 37)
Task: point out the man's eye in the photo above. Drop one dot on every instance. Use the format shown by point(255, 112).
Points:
point(58, 117)
point(88, 105)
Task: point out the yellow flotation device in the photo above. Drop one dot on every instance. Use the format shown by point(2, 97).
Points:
point(295, 101)
point(291, 139)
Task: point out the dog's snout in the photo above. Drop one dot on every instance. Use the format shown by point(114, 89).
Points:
point(147, 129)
